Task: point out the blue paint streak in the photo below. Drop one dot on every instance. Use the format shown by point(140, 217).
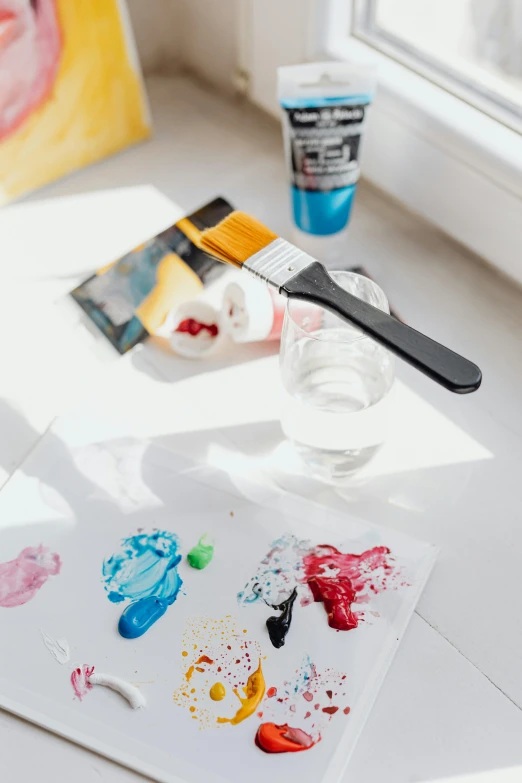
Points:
point(138, 617)
point(144, 572)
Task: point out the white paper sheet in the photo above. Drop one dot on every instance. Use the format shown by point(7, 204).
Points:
point(79, 494)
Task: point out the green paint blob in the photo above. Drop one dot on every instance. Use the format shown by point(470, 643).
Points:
point(201, 555)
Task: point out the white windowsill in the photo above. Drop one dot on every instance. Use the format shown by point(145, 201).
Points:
point(443, 158)
point(448, 673)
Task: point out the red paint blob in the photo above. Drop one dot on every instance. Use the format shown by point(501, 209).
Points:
point(337, 595)
point(330, 710)
point(346, 710)
point(283, 739)
point(204, 659)
point(353, 574)
point(329, 694)
point(308, 696)
point(271, 692)
point(193, 327)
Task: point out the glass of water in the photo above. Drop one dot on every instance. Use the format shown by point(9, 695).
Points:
point(337, 384)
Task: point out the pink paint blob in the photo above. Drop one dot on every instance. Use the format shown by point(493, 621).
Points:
point(80, 680)
point(20, 579)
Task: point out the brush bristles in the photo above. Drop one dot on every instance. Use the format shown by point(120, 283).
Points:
point(236, 238)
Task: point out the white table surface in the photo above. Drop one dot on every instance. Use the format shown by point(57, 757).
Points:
point(450, 472)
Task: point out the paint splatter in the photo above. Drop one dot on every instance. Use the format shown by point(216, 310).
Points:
point(341, 579)
point(323, 573)
point(309, 701)
point(59, 648)
point(144, 571)
point(278, 572)
point(200, 556)
point(218, 654)
point(80, 680)
point(22, 578)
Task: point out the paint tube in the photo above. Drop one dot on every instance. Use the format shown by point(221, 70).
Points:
point(194, 329)
point(252, 311)
point(324, 108)
point(130, 299)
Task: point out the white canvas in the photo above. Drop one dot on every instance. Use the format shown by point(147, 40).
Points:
point(79, 493)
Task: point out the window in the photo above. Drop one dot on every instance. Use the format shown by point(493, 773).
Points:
point(473, 48)
point(444, 135)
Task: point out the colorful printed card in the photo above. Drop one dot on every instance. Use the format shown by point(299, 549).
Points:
point(188, 624)
point(129, 299)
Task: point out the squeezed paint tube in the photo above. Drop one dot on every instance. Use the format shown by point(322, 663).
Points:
point(252, 311)
point(324, 108)
point(194, 329)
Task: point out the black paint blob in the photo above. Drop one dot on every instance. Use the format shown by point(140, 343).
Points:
point(278, 627)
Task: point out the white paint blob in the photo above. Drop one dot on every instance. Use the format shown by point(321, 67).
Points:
point(133, 695)
point(59, 648)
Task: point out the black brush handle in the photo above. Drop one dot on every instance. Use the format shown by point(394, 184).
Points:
point(442, 365)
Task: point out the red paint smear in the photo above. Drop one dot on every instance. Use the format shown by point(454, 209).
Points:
point(330, 710)
point(80, 680)
point(193, 327)
point(353, 575)
point(283, 739)
point(271, 692)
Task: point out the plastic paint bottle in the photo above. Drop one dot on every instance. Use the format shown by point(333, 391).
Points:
point(324, 112)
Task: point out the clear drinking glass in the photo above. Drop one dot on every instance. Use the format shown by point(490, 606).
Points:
point(337, 384)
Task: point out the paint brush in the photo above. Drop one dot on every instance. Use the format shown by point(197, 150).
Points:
point(244, 242)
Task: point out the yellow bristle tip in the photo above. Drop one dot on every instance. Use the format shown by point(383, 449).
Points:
point(238, 237)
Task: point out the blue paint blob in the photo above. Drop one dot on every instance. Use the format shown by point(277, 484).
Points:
point(140, 615)
point(144, 568)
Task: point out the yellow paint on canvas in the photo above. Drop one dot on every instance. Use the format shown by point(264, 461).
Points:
point(96, 107)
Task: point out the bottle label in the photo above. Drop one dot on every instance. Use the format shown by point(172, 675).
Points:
point(324, 146)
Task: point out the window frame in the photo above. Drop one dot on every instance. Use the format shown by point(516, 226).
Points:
point(441, 157)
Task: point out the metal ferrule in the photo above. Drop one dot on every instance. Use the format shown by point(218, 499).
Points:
point(278, 262)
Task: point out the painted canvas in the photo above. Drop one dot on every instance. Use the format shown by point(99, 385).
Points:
point(70, 89)
point(187, 623)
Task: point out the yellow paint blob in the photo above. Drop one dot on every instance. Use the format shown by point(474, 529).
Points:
point(189, 673)
point(254, 691)
point(184, 653)
point(217, 692)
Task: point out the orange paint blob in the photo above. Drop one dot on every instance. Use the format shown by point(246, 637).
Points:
point(204, 659)
point(189, 673)
point(283, 739)
point(184, 653)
